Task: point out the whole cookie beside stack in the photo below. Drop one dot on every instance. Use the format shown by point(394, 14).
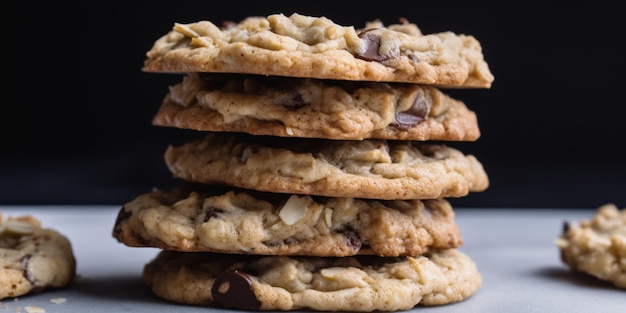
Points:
point(320, 174)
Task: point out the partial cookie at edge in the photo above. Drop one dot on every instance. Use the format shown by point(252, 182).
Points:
point(32, 258)
point(597, 246)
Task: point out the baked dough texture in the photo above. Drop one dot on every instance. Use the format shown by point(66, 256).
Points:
point(285, 283)
point(223, 219)
point(32, 258)
point(597, 246)
point(316, 47)
point(373, 169)
point(313, 108)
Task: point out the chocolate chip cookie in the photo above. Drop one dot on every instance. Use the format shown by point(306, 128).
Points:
point(373, 169)
point(32, 258)
point(223, 219)
point(597, 246)
point(316, 47)
point(331, 109)
point(283, 283)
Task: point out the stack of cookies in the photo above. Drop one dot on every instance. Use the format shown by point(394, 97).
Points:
point(320, 174)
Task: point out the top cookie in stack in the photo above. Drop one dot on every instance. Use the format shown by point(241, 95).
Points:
point(314, 184)
point(316, 47)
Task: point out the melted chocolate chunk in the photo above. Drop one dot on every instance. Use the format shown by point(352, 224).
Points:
point(373, 45)
point(234, 290)
point(414, 115)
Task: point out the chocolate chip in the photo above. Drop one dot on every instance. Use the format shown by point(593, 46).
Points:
point(372, 42)
point(566, 227)
point(234, 290)
point(211, 212)
point(290, 241)
point(352, 238)
point(414, 115)
point(293, 102)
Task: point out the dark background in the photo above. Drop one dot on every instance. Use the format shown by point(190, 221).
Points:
point(78, 125)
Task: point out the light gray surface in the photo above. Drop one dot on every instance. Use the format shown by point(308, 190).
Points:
point(513, 248)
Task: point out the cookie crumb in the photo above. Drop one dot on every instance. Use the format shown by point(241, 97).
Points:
point(34, 309)
point(58, 300)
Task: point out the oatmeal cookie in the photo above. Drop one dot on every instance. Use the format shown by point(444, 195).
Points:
point(373, 169)
point(286, 283)
point(223, 219)
point(316, 47)
point(330, 109)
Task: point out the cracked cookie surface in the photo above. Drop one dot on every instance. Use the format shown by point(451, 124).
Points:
point(316, 47)
point(355, 283)
point(32, 258)
point(597, 246)
point(292, 107)
point(373, 169)
point(223, 219)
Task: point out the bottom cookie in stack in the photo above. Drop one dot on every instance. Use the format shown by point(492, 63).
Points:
point(356, 283)
point(229, 247)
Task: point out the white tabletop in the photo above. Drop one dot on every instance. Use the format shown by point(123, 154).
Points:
point(513, 248)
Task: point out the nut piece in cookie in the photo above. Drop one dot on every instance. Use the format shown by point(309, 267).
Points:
point(597, 246)
point(32, 258)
